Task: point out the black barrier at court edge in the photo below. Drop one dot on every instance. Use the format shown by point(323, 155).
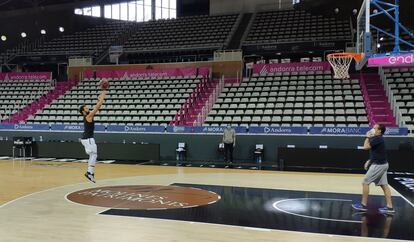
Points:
point(324, 158)
point(106, 151)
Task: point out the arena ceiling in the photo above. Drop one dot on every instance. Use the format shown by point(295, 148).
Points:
point(18, 4)
point(345, 8)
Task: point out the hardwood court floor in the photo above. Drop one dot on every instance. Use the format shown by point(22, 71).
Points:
point(34, 208)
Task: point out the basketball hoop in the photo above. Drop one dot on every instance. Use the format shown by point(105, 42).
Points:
point(340, 63)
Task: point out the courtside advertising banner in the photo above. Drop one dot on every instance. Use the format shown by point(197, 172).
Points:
point(219, 129)
point(74, 128)
point(25, 127)
point(148, 73)
point(278, 130)
point(26, 76)
point(393, 60)
point(135, 129)
point(264, 69)
point(354, 131)
point(203, 129)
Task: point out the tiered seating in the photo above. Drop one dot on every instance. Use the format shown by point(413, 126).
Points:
point(91, 41)
point(401, 82)
point(15, 95)
point(183, 33)
point(294, 25)
point(139, 102)
point(291, 99)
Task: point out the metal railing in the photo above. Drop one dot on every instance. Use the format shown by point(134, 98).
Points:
point(208, 105)
point(391, 99)
point(23, 47)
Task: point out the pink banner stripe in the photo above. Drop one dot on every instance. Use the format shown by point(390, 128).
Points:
point(151, 73)
point(396, 60)
point(12, 76)
point(263, 69)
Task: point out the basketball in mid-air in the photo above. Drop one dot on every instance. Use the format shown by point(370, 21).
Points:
point(104, 84)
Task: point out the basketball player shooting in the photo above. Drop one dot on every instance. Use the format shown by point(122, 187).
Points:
point(377, 167)
point(88, 140)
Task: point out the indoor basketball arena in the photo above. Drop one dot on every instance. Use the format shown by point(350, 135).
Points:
point(206, 120)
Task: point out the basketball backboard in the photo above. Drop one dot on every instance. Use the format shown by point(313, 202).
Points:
point(370, 35)
point(364, 37)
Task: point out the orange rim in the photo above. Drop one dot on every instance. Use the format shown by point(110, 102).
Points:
point(356, 56)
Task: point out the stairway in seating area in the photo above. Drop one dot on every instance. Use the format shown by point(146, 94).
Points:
point(200, 102)
point(376, 101)
point(30, 110)
point(191, 110)
point(237, 38)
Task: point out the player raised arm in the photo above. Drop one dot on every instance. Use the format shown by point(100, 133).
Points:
point(98, 105)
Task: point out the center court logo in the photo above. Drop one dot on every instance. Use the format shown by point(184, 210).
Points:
point(144, 197)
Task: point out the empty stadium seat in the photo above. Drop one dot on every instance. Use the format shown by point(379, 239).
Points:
point(296, 25)
point(401, 83)
point(290, 105)
point(150, 101)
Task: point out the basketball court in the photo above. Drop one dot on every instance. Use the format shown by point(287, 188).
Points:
point(47, 201)
point(50, 201)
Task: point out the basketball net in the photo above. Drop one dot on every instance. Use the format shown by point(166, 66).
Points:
point(340, 63)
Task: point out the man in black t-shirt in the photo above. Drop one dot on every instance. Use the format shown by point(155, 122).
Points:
point(377, 167)
point(88, 140)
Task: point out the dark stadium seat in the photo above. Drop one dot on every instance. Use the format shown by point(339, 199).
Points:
point(92, 41)
point(296, 26)
point(193, 32)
